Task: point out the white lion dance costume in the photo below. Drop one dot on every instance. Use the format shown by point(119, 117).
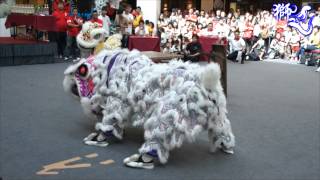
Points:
point(173, 102)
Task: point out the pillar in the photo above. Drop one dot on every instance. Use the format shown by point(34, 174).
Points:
point(150, 9)
point(207, 5)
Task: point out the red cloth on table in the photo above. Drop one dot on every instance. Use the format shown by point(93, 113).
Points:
point(143, 43)
point(61, 20)
point(73, 31)
point(16, 19)
point(207, 42)
point(46, 23)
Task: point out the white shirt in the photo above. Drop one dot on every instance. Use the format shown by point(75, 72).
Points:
point(130, 19)
point(106, 23)
point(222, 30)
point(205, 32)
point(140, 32)
point(287, 36)
point(237, 45)
point(129, 16)
point(256, 30)
point(316, 21)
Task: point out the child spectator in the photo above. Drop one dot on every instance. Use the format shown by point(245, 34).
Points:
point(140, 30)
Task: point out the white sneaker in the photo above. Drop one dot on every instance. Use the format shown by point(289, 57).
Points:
point(95, 139)
point(131, 158)
point(228, 151)
point(136, 161)
point(318, 70)
point(66, 58)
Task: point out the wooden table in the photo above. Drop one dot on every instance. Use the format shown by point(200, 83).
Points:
point(159, 57)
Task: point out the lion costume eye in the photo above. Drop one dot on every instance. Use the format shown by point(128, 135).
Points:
point(97, 36)
point(83, 70)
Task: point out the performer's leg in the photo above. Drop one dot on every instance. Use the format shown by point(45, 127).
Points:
point(221, 137)
point(114, 116)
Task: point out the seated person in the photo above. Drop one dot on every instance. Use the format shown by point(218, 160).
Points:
point(312, 44)
point(193, 50)
point(277, 47)
point(150, 29)
point(208, 31)
point(140, 30)
point(238, 48)
point(175, 48)
point(257, 50)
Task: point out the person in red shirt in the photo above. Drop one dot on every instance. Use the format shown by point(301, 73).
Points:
point(111, 12)
point(95, 19)
point(74, 23)
point(65, 3)
point(61, 27)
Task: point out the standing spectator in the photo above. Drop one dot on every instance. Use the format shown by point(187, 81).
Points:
point(121, 23)
point(202, 18)
point(161, 22)
point(106, 23)
point(129, 17)
point(221, 29)
point(316, 20)
point(65, 3)
point(124, 25)
point(137, 17)
point(191, 16)
point(218, 15)
point(61, 27)
point(111, 12)
point(248, 32)
point(74, 23)
point(95, 19)
point(238, 47)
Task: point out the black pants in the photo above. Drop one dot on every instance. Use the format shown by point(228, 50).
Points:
point(125, 41)
point(191, 58)
point(72, 46)
point(233, 56)
point(61, 42)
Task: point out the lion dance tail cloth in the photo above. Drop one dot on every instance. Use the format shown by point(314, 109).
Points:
point(173, 102)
